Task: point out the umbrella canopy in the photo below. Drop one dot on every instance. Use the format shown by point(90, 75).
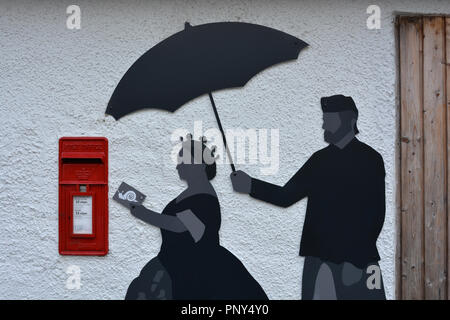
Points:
point(199, 60)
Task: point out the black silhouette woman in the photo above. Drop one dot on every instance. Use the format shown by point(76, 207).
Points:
point(191, 263)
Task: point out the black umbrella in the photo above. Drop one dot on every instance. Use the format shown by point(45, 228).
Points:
point(199, 60)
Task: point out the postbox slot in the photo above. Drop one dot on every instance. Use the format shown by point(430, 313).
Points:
point(84, 168)
point(81, 160)
point(82, 155)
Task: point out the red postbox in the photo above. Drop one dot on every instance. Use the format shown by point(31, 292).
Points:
point(83, 196)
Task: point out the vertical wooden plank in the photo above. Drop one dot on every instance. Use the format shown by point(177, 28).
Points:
point(448, 140)
point(435, 158)
point(398, 167)
point(398, 175)
point(411, 130)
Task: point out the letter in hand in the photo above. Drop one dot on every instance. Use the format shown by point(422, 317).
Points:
point(126, 195)
point(241, 181)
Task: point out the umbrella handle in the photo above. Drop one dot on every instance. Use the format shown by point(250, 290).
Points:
point(221, 131)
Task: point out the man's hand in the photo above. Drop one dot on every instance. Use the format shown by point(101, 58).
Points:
point(241, 181)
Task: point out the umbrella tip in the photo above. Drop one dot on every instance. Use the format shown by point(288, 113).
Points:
point(108, 112)
point(187, 25)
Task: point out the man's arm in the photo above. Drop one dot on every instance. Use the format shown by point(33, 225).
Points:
point(377, 210)
point(294, 190)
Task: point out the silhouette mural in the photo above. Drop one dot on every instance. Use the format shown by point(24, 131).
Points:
point(191, 263)
point(344, 182)
point(196, 61)
point(199, 60)
point(345, 187)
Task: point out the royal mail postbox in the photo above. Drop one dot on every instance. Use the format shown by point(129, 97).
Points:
point(83, 196)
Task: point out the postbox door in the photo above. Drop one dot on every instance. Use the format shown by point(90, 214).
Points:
point(83, 196)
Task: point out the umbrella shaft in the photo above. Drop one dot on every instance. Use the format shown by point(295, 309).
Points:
point(221, 131)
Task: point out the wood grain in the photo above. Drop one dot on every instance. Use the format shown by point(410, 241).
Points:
point(411, 130)
point(447, 32)
point(435, 154)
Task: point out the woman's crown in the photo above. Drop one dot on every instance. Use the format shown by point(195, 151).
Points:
point(203, 140)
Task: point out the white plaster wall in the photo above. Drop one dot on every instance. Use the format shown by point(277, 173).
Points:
point(56, 82)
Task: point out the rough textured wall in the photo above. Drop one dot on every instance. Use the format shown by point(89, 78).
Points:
point(56, 82)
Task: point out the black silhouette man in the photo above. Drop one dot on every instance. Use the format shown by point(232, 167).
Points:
point(345, 187)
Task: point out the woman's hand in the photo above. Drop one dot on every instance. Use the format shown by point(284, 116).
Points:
point(134, 209)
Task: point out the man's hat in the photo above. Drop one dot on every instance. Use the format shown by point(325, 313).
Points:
point(338, 103)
